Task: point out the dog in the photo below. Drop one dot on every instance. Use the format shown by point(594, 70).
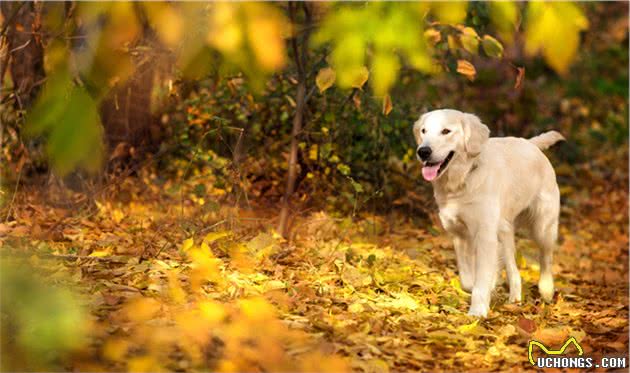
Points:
point(485, 189)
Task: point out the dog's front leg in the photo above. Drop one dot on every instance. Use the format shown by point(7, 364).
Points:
point(486, 252)
point(465, 263)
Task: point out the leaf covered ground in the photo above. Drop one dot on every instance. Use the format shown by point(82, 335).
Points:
point(172, 281)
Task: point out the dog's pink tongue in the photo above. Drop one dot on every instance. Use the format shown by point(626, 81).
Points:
point(430, 172)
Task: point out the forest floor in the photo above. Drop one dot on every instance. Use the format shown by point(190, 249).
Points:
point(176, 282)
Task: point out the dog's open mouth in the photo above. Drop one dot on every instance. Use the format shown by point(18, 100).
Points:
point(431, 170)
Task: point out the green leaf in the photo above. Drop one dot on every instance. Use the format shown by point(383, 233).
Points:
point(69, 118)
point(492, 47)
point(469, 40)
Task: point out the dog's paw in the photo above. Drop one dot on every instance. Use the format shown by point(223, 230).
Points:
point(478, 310)
point(546, 288)
point(515, 298)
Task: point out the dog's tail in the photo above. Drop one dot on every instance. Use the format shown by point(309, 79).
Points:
point(547, 139)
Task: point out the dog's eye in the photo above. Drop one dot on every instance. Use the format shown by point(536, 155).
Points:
point(424, 130)
point(446, 131)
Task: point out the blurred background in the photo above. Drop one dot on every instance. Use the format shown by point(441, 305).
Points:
point(279, 110)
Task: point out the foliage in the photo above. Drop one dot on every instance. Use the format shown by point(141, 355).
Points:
point(372, 42)
point(555, 29)
point(175, 257)
point(41, 321)
point(173, 285)
point(69, 116)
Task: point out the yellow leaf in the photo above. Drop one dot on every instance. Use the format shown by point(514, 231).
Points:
point(141, 364)
point(359, 76)
point(553, 28)
point(384, 71)
point(466, 68)
point(187, 244)
point(117, 215)
point(123, 25)
point(433, 36)
point(275, 285)
point(312, 153)
point(142, 309)
point(455, 284)
point(101, 253)
point(225, 34)
point(387, 105)
point(467, 328)
point(257, 309)
point(325, 78)
point(404, 300)
point(267, 42)
point(451, 12)
point(175, 291)
point(213, 312)
point(356, 308)
point(115, 349)
point(166, 21)
point(504, 16)
point(215, 236)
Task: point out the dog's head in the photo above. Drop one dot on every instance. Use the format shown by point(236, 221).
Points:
point(446, 136)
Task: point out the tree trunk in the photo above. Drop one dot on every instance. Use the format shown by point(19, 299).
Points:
point(25, 57)
point(299, 53)
point(293, 158)
point(126, 110)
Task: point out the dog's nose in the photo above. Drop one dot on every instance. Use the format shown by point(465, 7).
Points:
point(424, 152)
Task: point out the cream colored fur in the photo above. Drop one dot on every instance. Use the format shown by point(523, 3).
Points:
point(491, 187)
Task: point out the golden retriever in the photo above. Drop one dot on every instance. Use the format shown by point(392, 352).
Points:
point(486, 188)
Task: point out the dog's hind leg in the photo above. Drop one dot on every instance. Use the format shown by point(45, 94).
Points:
point(506, 240)
point(545, 232)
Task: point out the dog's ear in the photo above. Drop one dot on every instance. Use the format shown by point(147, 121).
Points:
point(417, 126)
point(475, 134)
